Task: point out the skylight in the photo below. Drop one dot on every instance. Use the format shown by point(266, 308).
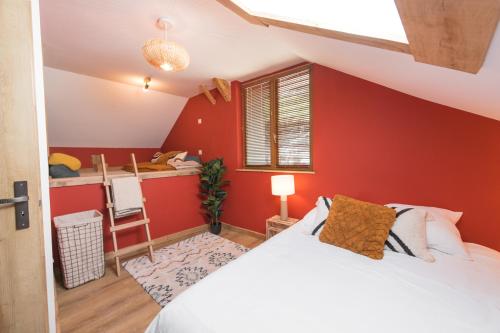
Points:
point(371, 18)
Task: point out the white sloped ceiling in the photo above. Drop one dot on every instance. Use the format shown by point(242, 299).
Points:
point(103, 39)
point(84, 111)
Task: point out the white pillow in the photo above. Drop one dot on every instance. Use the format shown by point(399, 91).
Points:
point(180, 156)
point(322, 210)
point(433, 212)
point(316, 216)
point(442, 235)
point(307, 222)
point(408, 234)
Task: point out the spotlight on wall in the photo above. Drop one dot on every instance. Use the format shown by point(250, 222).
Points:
point(146, 84)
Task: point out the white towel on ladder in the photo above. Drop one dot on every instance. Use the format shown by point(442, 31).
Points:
point(127, 196)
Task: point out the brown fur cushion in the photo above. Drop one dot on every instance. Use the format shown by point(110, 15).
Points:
point(358, 226)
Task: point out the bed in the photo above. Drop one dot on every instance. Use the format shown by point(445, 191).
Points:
point(294, 283)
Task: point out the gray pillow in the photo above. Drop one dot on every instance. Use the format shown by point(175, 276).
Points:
point(62, 171)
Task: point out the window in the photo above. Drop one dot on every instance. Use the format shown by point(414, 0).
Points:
point(277, 121)
point(376, 19)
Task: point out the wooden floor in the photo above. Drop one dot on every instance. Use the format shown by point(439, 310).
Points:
point(117, 304)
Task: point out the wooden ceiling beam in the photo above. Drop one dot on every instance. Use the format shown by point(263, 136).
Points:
point(343, 36)
point(241, 12)
point(224, 88)
point(450, 33)
point(207, 93)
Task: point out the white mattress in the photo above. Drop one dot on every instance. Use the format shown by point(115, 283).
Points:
point(294, 283)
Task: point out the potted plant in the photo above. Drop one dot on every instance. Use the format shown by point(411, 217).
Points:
point(211, 184)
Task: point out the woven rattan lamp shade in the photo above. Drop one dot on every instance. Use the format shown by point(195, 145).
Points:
point(166, 55)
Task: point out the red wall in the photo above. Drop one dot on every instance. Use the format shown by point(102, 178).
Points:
point(369, 142)
point(172, 204)
point(113, 156)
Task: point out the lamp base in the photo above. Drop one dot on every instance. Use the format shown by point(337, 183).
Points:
point(284, 208)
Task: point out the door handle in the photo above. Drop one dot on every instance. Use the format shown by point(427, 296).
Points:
point(20, 200)
point(13, 201)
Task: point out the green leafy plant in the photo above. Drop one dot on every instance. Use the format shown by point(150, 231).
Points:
point(211, 183)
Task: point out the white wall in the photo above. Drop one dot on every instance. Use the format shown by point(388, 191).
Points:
point(84, 111)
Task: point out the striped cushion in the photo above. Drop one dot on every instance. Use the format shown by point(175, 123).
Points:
point(322, 209)
point(408, 234)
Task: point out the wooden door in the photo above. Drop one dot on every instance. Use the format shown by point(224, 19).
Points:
point(23, 285)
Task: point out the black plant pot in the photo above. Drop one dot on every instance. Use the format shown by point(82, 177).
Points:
point(215, 228)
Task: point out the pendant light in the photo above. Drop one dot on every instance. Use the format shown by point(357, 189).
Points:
point(165, 54)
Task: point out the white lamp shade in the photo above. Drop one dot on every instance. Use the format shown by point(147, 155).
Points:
point(283, 185)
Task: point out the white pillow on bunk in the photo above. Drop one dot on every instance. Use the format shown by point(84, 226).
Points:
point(180, 156)
point(177, 159)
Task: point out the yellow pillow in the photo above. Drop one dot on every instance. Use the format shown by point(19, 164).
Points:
point(358, 226)
point(71, 162)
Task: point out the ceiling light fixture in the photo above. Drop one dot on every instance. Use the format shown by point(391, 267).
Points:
point(164, 54)
point(147, 80)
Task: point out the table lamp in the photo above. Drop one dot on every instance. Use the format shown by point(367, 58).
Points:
point(283, 185)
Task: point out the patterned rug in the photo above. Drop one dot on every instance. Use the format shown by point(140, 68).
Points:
point(182, 264)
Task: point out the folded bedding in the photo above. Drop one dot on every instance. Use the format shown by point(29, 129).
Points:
point(127, 196)
point(173, 160)
point(184, 164)
point(126, 212)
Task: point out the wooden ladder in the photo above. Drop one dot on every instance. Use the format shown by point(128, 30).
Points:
point(114, 228)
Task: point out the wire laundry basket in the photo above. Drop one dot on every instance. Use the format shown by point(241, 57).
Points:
point(80, 242)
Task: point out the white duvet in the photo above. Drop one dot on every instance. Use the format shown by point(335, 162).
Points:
point(295, 283)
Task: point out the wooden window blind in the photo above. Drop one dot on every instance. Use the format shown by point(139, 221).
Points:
point(294, 123)
point(258, 124)
point(277, 121)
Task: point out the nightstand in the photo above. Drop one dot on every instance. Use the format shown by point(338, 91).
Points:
point(275, 225)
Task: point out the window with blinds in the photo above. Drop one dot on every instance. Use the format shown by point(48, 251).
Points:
point(277, 121)
point(258, 124)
